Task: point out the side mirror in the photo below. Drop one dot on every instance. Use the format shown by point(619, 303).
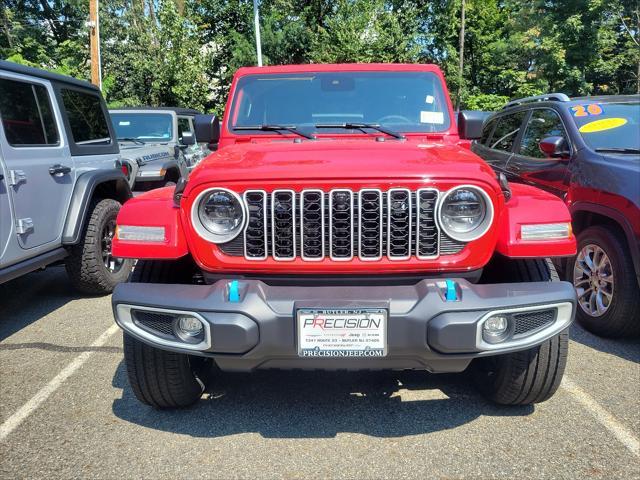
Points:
point(207, 129)
point(187, 139)
point(470, 124)
point(554, 147)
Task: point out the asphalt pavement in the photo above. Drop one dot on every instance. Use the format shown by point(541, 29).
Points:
point(67, 411)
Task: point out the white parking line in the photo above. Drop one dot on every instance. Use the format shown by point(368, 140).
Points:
point(608, 421)
point(45, 392)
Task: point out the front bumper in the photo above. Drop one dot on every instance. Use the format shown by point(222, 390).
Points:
point(257, 330)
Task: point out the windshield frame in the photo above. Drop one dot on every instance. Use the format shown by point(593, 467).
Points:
point(316, 69)
point(148, 140)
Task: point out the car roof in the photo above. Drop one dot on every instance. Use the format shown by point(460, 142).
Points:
point(39, 73)
point(557, 100)
point(605, 98)
point(177, 110)
point(340, 67)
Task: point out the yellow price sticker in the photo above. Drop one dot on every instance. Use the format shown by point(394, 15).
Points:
point(602, 125)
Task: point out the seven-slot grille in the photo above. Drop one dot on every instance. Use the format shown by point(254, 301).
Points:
point(341, 224)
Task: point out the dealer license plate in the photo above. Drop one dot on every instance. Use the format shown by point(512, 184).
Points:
point(342, 332)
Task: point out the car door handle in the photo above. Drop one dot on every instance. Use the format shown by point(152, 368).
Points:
point(58, 170)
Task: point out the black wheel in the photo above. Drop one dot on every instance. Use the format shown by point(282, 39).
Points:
point(530, 376)
point(90, 265)
point(605, 282)
point(157, 377)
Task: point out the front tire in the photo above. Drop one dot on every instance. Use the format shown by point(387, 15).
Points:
point(605, 283)
point(157, 377)
point(529, 376)
point(90, 266)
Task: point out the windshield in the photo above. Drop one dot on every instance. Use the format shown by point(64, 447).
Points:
point(147, 127)
point(609, 125)
point(400, 101)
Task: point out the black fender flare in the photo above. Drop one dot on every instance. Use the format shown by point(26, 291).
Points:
point(623, 223)
point(107, 184)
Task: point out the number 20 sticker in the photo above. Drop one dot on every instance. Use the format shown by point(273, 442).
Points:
point(591, 109)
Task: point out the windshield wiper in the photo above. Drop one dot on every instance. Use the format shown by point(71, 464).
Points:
point(276, 128)
point(131, 139)
point(361, 126)
point(618, 150)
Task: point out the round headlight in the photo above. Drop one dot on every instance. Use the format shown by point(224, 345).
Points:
point(218, 215)
point(465, 213)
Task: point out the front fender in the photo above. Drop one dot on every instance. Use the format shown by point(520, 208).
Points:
point(113, 184)
point(152, 209)
point(529, 206)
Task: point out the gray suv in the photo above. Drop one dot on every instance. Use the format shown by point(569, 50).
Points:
point(61, 179)
point(157, 144)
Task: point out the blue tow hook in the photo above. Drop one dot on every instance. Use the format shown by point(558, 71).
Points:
point(234, 291)
point(450, 294)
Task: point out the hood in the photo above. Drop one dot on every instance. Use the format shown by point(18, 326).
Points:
point(341, 159)
point(143, 154)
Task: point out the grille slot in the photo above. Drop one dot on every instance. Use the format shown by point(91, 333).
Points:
point(157, 323)
point(399, 224)
point(283, 224)
point(528, 322)
point(341, 224)
point(312, 215)
point(427, 232)
point(369, 224)
point(255, 234)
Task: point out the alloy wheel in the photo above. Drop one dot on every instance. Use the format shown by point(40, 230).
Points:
point(593, 280)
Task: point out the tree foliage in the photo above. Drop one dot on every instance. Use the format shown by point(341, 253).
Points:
point(184, 52)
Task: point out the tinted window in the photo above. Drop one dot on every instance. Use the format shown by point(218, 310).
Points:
point(542, 123)
point(183, 125)
point(27, 117)
point(506, 131)
point(148, 127)
point(86, 119)
point(487, 128)
point(401, 101)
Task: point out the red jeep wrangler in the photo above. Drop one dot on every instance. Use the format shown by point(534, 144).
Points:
point(341, 226)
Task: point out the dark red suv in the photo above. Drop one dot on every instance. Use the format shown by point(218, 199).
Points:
point(587, 151)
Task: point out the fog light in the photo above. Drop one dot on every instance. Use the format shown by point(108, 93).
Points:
point(190, 326)
point(495, 328)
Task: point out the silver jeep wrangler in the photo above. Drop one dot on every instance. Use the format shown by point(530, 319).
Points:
point(61, 179)
point(157, 144)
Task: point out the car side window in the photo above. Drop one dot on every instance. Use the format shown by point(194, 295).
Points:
point(86, 118)
point(487, 129)
point(506, 131)
point(27, 116)
point(183, 125)
point(542, 123)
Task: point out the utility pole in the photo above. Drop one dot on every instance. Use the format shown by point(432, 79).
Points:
point(94, 35)
point(256, 23)
point(461, 53)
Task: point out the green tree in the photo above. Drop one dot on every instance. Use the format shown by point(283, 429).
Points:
point(184, 52)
